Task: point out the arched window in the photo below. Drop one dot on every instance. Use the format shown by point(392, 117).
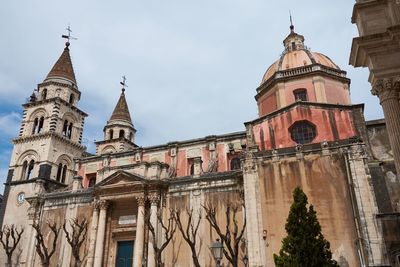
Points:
point(35, 125)
point(69, 134)
point(65, 128)
point(302, 132)
point(121, 133)
point(64, 174)
point(24, 167)
point(30, 169)
point(130, 136)
point(59, 171)
point(235, 164)
point(44, 94)
point(71, 99)
point(111, 133)
point(300, 95)
point(40, 127)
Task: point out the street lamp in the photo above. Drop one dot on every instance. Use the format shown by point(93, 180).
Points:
point(217, 249)
point(245, 260)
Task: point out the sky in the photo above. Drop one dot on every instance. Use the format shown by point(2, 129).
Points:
point(192, 67)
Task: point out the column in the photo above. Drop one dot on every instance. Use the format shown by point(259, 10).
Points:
point(154, 199)
point(139, 240)
point(388, 92)
point(93, 232)
point(98, 254)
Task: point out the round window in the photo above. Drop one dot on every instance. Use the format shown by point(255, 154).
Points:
point(302, 132)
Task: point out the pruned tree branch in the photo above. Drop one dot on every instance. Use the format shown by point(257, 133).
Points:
point(169, 231)
point(10, 245)
point(76, 238)
point(41, 249)
point(189, 232)
point(232, 236)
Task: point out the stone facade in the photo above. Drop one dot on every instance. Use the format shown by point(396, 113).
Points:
point(308, 134)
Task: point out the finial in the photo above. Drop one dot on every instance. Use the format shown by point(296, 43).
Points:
point(123, 83)
point(68, 37)
point(291, 22)
point(33, 96)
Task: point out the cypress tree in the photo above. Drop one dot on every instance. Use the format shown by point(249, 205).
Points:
point(304, 245)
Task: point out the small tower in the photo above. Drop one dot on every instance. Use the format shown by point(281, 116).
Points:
point(119, 132)
point(49, 139)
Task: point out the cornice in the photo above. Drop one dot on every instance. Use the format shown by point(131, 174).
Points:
point(41, 136)
point(305, 104)
point(54, 100)
point(178, 144)
point(60, 84)
point(119, 139)
point(365, 4)
point(296, 73)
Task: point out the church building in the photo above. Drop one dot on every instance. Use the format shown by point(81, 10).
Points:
point(307, 133)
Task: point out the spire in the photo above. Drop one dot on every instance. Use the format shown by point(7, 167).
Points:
point(121, 110)
point(291, 23)
point(63, 67)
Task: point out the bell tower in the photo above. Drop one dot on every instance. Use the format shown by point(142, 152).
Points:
point(49, 139)
point(119, 132)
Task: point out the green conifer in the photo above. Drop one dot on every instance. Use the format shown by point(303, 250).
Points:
point(304, 245)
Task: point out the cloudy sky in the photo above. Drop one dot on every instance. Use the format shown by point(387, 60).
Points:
point(192, 66)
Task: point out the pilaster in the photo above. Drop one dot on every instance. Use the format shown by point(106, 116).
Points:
point(254, 231)
point(371, 239)
point(93, 232)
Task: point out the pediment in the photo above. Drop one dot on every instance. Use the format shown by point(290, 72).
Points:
point(121, 178)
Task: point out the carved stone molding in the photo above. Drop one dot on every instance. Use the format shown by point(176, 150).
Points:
point(154, 198)
point(141, 199)
point(387, 88)
point(96, 204)
point(34, 209)
point(103, 204)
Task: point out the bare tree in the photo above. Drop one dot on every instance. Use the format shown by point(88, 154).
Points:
point(169, 229)
point(76, 238)
point(44, 252)
point(189, 232)
point(231, 236)
point(9, 238)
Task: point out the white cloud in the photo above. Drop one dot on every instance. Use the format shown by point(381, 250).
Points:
point(9, 124)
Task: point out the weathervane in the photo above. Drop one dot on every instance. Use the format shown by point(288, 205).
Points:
point(123, 83)
point(68, 37)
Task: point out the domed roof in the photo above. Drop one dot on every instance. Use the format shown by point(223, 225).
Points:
point(297, 55)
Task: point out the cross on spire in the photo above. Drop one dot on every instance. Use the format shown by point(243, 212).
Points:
point(291, 22)
point(68, 36)
point(123, 83)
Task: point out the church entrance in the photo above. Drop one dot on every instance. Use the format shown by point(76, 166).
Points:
point(124, 254)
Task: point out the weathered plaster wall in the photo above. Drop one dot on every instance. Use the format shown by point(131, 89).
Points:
point(331, 124)
point(178, 253)
point(323, 179)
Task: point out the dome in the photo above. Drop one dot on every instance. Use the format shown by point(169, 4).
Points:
point(297, 55)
